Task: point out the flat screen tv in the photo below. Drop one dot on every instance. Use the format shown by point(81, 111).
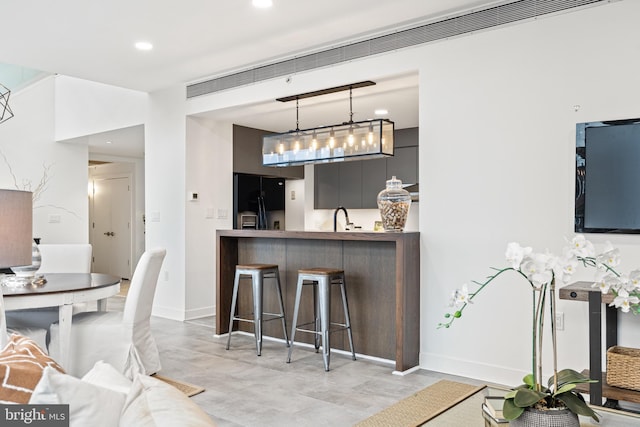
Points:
point(608, 177)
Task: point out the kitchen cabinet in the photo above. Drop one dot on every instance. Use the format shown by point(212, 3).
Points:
point(404, 165)
point(374, 178)
point(338, 184)
point(356, 184)
point(327, 186)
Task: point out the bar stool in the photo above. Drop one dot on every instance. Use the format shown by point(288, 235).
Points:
point(257, 273)
point(321, 279)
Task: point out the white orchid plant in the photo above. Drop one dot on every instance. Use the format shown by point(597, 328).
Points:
point(542, 271)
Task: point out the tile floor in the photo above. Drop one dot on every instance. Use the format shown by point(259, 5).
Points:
point(243, 389)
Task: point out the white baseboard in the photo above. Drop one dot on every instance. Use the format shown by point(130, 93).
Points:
point(468, 368)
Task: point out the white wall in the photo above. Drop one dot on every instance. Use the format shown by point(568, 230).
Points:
point(31, 153)
point(497, 147)
point(84, 107)
point(209, 153)
point(294, 199)
point(499, 112)
point(165, 196)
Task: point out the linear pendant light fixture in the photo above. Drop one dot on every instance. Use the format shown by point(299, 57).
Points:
point(367, 139)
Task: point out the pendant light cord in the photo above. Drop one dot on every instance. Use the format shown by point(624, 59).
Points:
point(350, 104)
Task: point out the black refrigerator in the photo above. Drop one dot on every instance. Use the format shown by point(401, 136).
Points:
point(255, 197)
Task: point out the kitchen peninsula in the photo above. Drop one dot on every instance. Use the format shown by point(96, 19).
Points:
point(383, 284)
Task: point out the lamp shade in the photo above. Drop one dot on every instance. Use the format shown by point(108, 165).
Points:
point(16, 219)
point(347, 141)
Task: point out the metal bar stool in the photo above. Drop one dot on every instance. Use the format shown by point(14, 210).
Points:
point(257, 273)
point(321, 279)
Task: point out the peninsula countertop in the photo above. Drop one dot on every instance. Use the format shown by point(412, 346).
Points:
point(383, 281)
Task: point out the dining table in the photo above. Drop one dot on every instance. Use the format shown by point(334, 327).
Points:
point(62, 290)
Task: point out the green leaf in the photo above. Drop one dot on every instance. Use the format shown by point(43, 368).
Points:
point(527, 397)
point(577, 405)
point(565, 388)
point(510, 410)
point(511, 394)
point(529, 380)
point(569, 376)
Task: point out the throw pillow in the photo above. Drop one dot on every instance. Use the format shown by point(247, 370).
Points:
point(89, 404)
point(21, 365)
point(153, 403)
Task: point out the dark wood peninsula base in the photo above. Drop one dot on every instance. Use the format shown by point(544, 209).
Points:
point(383, 284)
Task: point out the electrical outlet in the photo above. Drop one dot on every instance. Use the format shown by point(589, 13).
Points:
point(559, 321)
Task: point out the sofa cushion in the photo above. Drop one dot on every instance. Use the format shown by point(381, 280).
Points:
point(105, 375)
point(22, 362)
point(153, 403)
point(89, 404)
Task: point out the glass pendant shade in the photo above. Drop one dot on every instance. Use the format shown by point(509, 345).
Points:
point(348, 141)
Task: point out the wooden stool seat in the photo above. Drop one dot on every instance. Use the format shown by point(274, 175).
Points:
point(255, 266)
point(321, 271)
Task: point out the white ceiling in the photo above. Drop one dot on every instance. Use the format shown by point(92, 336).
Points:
point(200, 39)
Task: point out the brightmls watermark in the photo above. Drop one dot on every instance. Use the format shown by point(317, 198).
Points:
point(34, 415)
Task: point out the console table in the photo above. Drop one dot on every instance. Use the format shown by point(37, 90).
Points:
point(382, 273)
point(583, 291)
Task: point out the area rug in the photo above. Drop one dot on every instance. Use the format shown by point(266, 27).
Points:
point(423, 405)
point(186, 388)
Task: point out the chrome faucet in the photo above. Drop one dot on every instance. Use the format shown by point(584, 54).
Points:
point(346, 218)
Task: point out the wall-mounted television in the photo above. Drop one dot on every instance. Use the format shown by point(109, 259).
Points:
point(608, 177)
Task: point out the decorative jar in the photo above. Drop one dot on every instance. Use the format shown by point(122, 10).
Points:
point(394, 203)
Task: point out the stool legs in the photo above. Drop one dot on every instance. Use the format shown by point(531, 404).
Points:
point(321, 285)
point(296, 308)
point(257, 282)
point(282, 317)
point(324, 309)
point(347, 318)
point(234, 301)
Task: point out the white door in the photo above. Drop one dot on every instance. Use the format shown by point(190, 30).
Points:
point(111, 226)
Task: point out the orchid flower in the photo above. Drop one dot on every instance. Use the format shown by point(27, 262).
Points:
point(624, 301)
point(515, 254)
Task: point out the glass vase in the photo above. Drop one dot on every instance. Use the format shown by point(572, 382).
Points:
point(394, 203)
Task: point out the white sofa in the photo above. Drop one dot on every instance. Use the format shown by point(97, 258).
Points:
point(106, 398)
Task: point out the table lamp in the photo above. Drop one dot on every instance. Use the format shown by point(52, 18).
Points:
point(16, 228)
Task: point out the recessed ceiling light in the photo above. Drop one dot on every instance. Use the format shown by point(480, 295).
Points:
point(262, 4)
point(143, 46)
point(381, 112)
point(108, 142)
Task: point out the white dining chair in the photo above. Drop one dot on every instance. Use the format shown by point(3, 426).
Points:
point(65, 258)
point(56, 258)
point(122, 339)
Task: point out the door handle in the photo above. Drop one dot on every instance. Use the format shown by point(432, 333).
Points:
point(109, 233)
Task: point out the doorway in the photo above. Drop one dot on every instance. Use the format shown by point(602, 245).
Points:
point(110, 227)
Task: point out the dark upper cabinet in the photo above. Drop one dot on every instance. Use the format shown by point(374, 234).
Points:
point(356, 184)
point(404, 165)
point(247, 155)
point(327, 186)
point(351, 184)
point(374, 178)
